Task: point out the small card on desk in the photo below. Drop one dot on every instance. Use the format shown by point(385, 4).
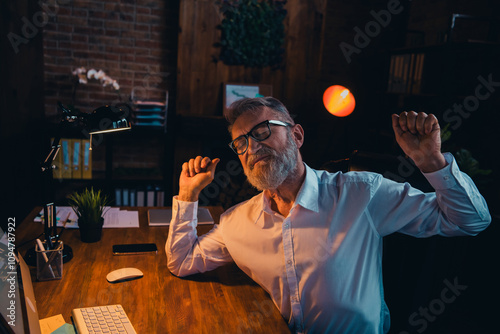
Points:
point(162, 217)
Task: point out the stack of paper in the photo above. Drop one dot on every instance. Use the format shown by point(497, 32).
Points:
point(113, 217)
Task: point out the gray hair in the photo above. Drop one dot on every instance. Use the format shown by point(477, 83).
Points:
point(254, 105)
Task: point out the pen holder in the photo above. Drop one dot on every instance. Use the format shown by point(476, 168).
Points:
point(49, 263)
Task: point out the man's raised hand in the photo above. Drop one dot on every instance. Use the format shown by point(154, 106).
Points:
point(196, 174)
point(419, 136)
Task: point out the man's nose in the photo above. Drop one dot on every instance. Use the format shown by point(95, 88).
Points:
point(253, 145)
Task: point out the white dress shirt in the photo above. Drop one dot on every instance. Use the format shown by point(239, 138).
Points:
point(322, 264)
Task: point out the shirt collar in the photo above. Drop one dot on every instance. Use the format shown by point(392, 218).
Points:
point(307, 197)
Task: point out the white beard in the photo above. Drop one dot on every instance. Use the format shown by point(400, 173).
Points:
point(272, 172)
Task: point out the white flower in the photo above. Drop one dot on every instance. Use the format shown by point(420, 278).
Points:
point(82, 79)
point(106, 81)
point(91, 73)
point(79, 70)
point(100, 74)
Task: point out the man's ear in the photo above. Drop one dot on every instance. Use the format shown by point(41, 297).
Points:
point(298, 135)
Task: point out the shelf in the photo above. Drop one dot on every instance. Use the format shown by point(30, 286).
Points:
point(424, 95)
point(449, 70)
point(473, 45)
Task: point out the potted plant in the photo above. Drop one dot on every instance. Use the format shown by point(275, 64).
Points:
point(89, 207)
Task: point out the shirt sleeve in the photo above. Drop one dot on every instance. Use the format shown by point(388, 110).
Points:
point(186, 252)
point(455, 208)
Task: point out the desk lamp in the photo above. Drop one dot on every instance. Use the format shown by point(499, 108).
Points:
point(102, 120)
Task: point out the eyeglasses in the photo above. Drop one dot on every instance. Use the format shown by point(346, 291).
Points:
point(260, 132)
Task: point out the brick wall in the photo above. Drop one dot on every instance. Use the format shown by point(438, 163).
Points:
point(133, 42)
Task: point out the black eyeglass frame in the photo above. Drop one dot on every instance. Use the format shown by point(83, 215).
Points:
point(249, 134)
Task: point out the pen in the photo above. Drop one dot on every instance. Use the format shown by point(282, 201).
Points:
point(67, 219)
point(63, 227)
point(42, 249)
point(47, 212)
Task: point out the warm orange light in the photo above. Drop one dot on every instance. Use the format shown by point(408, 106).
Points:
point(339, 101)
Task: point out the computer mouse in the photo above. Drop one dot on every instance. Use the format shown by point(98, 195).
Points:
point(124, 274)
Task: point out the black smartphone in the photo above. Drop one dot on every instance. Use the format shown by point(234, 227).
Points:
point(126, 249)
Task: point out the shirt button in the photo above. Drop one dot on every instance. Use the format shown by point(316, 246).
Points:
point(289, 262)
point(446, 178)
point(286, 225)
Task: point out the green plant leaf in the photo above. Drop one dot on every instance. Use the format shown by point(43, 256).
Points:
point(252, 32)
point(88, 205)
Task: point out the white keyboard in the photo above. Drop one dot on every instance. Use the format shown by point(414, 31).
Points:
point(109, 319)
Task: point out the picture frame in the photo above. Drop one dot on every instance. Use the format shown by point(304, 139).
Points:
point(236, 91)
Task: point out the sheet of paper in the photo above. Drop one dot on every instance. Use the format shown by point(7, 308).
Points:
point(116, 218)
point(50, 324)
point(113, 217)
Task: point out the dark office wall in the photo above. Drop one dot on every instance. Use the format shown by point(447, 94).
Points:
point(356, 60)
point(21, 107)
point(201, 73)
point(313, 60)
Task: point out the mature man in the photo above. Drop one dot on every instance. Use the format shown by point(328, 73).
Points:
point(313, 239)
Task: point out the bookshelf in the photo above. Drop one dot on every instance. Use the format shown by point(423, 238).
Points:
point(470, 48)
point(135, 185)
point(448, 72)
point(405, 73)
point(144, 154)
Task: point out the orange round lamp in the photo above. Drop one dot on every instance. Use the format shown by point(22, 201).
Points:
point(339, 101)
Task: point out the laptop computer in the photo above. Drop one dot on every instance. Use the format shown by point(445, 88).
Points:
point(162, 217)
point(18, 311)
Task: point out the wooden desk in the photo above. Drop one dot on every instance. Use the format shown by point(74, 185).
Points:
point(222, 301)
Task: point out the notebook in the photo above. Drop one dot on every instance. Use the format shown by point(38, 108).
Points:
point(162, 217)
